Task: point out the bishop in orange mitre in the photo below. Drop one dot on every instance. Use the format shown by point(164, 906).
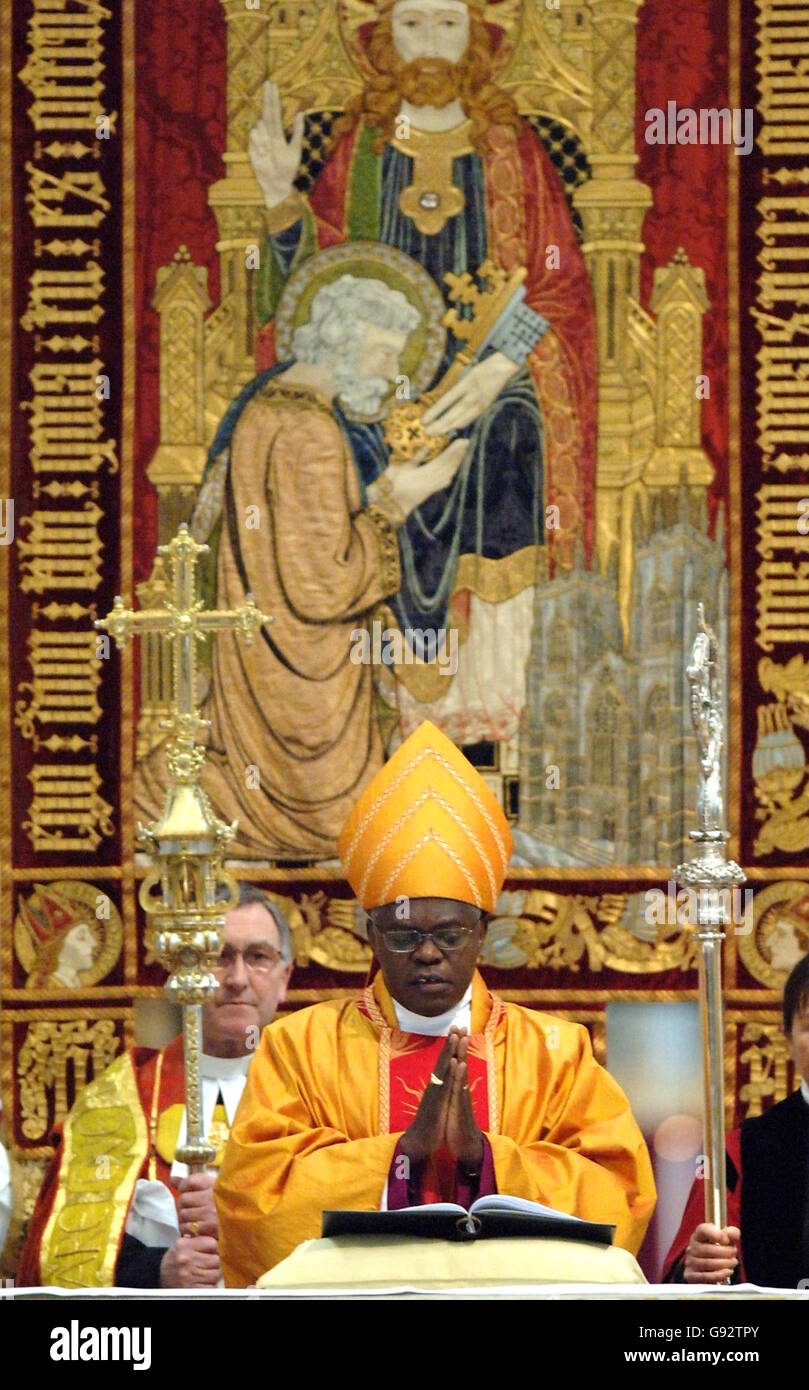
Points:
point(425, 1086)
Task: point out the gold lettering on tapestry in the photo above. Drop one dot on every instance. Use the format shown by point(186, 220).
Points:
point(65, 71)
point(67, 419)
point(765, 1058)
point(781, 315)
point(65, 681)
point(62, 550)
point(66, 797)
point(48, 192)
point(60, 543)
point(781, 48)
point(55, 1062)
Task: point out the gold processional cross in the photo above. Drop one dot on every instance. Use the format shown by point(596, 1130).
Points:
point(182, 894)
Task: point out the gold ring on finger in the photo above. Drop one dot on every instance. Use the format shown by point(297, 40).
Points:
point(194, 1228)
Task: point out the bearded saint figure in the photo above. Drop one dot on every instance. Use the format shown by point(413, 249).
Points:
point(289, 758)
point(434, 159)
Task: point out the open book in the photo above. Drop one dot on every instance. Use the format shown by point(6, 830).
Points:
point(488, 1216)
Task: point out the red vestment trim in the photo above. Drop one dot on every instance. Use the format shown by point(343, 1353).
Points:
point(406, 1062)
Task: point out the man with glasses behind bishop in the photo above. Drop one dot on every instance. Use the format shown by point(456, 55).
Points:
point(115, 1206)
point(426, 1087)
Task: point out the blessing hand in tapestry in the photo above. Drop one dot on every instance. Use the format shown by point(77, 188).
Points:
point(275, 159)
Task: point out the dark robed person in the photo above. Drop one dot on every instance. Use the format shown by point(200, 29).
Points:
point(766, 1240)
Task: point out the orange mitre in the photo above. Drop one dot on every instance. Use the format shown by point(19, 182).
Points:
point(427, 826)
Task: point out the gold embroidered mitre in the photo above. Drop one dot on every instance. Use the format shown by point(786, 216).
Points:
point(427, 826)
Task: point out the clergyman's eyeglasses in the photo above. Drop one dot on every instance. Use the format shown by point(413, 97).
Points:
point(403, 940)
point(258, 959)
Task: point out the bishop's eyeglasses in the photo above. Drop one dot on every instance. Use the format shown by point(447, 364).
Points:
point(404, 940)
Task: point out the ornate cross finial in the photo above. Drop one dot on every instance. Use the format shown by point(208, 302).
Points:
point(188, 892)
point(185, 622)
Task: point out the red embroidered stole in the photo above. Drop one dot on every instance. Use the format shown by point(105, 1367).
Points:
point(406, 1061)
point(161, 1083)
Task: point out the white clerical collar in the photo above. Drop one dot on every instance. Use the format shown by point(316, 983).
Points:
point(221, 1078)
point(460, 1015)
point(805, 1091)
point(222, 1068)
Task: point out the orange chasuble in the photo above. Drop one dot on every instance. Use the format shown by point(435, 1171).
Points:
point(333, 1087)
